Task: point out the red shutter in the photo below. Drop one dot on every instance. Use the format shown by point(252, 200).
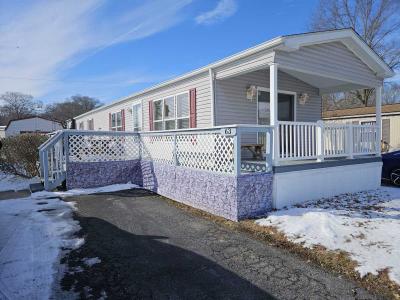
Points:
point(193, 108)
point(109, 121)
point(151, 125)
point(123, 119)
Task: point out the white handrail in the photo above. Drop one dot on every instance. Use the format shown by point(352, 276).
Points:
point(318, 140)
point(216, 149)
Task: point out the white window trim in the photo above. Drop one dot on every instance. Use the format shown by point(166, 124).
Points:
point(88, 121)
point(176, 118)
point(116, 122)
point(176, 107)
point(294, 94)
point(140, 114)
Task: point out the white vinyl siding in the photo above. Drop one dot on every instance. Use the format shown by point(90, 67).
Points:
point(203, 104)
point(232, 107)
point(203, 98)
point(34, 124)
point(137, 116)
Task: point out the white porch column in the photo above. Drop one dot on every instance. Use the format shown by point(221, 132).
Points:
point(273, 106)
point(378, 103)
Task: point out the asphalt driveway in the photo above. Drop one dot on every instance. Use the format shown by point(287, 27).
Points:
point(150, 249)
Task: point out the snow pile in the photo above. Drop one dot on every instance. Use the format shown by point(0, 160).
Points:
point(91, 261)
point(32, 236)
point(9, 182)
point(366, 225)
point(77, 192)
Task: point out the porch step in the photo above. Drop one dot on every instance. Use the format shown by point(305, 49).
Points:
point(36, 187)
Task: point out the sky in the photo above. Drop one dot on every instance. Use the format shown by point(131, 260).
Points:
point(110, 49)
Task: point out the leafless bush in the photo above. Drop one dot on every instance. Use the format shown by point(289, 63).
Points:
point(19, 154)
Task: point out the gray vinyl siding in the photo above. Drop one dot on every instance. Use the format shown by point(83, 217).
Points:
point(249, 63)
point(203, 104)
point(232, 107)
point(329, 59)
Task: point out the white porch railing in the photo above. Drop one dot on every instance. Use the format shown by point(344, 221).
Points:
point(308, 140)
point(52, 158)
point(216, 149)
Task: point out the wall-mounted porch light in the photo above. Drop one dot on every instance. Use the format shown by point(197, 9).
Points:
point(251, 93)
point(303, 98)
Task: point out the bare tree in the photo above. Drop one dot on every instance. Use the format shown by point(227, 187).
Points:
point(391, 93)
point(15, 105)
point(376, 21)
point(71, 107)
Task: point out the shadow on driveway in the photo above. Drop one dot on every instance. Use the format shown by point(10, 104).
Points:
point(150, 249)
point(148, 267)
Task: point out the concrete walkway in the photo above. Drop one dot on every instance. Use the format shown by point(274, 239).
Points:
point(151, 249)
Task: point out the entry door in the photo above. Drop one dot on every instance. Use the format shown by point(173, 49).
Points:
point(285, 110)
point(285, 107)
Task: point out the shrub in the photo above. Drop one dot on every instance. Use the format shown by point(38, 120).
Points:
point(20, 155)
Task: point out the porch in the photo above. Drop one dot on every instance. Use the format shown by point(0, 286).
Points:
point(208, 168)
point(237, 171)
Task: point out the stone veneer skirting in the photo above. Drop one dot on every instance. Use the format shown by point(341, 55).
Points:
point(95, 174)
point(232, 197)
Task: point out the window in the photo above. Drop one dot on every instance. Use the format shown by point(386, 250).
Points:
point(116, 121)
point(285, 107)
point(137, 116)
point(90, 124)
point(182, 110)
point(172, 112)
point(81, 126)
point(368, 123)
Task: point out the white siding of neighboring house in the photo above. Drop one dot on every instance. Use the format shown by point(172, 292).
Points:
point(232, 107)
point(203, 104)
point(329, 59)
point(32, 125)
point(2, 132)
point(394, 126)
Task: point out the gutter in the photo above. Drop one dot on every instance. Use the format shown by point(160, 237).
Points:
point(258, 48)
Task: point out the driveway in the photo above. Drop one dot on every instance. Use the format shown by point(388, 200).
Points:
point(149, 248)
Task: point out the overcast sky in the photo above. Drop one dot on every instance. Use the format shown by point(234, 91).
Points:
point(110, 49)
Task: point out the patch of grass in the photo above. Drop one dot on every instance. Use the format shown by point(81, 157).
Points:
point(338, 262)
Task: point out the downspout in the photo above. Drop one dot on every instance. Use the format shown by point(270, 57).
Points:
point(212, 92)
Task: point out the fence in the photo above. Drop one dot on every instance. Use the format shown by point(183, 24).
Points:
point(307, 140)
point(216, 149)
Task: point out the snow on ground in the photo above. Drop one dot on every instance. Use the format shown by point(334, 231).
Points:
point(77, 192)
point(10, 182)
point(34, 232)
point(366, 225)
point(32, 235)
point(91, 261)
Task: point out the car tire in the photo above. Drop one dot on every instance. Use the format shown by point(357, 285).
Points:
point(395, 177)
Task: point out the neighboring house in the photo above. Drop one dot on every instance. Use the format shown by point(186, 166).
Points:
point(178, 138)
point(31, 125)
point(366, 115)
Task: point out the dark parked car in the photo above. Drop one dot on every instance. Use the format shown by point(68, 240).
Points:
point(391, 167)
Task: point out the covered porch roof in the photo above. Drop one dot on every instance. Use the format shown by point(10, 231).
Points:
point(331, 61)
